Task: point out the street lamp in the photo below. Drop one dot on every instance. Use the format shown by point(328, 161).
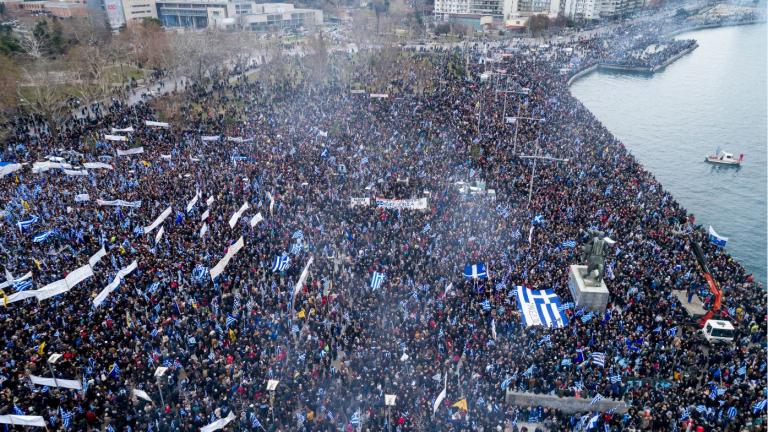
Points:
point(52, 359)
point(159, 372)
point(535, 158)
point(271, 386)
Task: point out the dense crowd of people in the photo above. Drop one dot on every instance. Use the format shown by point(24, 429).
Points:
point(384, 307)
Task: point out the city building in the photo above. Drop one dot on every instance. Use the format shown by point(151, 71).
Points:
point(597, 9)
point(247, 15)
point(137, 10)
point(513, 13)
point(273, 17)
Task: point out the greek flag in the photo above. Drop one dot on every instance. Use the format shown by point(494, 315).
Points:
point(538, 220)
point(742, 370)
point(426, 229)
point(475, 271)
point(701, 408)
point(598, 397)
point(566, 362)
point(598, 359)
point(17, 410)
point(516, 234)
point(198, 273)
point(502, 210)
point(21, 285)
point(714, 238)
point(115, 372)
point(43, 236)
point(153, 287)
point(569, 243)
point(540, 308)
point(587, 318)
point(26, 223)
point(255, 423)
point(231, 320)
point(295, 249)
point(298, 235)
point(686, 414)
point(759, 406)
point(486, 305)
point(615, 379)
point(732, 412)
point(355, 420)
point(505, 384)
point(66, 417)
point(281, 263)
point(377, 280)
point(110, 428)
point(672, 331)
point(545, 339)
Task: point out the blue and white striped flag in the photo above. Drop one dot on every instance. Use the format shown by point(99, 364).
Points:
point(22, 285)
point(486, 305)
point(43, 236)
point(615, 379)
point(505, 384)
point(231, 320)
point(759, 406)
point(686, 414)
point(298, 235)
point(569, 243)
point(115, 372)
point(732, 411)
point(701, 409)
point(598, 397)
point(198, 273)
point(426, 228)
point(66, 417)
point(598, 358)
point(377, 280)
point(295, 249)
point(26, 223)
point(281, 263)
point(17, 410)
point(355, 420)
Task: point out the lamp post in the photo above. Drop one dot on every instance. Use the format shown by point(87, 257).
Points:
point(159, 372)
point(52, 359)
point(271, 386)
point(535, 158)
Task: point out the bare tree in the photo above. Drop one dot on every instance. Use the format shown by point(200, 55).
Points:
point(43, 96)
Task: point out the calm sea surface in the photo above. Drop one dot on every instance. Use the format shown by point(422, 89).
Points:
point(714, 97)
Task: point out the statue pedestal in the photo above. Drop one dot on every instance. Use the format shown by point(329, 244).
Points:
point(586, 293)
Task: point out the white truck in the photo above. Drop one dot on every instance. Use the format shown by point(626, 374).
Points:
point(718, 331)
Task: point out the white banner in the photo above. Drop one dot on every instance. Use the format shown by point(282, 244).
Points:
point(218, 424)
point(165, 156)
point(233, 220)
point(302, 278)
point(92, 261)
point(96, 165)
point(413, 204)
point(256, 219)
point(22, 420)
point(99, 299)
point(210, 137)
point(159, 234)
point(50, 290)
point(119, 203)
point(78, 275)
point(58, 382)
point(19, 296)
point(40, 167)
point(209, 201)
point(82, 197)
point(156, 123)
point(158, 221)
point(203, 230)
point(129, 129)
point(219, 268)
point(132, 151)
point(81, 172)
point(192, 202)
point(205, 215)
point(115, 138)
point(379, 95)
point(354, 202)
point(9, 168)
point(141, 394)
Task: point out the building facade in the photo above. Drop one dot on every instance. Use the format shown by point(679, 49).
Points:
point(247, 15)
point(597, 9)
point(137, 10)
point(516, 12)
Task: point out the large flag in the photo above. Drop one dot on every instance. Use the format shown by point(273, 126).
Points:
point(377, 279)
point(540, 308)
point(716, 238)
point(475, 271)
point(441, 396)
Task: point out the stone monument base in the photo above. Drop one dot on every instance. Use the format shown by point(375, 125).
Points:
point(586, 293)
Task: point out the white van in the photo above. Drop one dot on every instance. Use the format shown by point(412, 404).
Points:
point(718, 331)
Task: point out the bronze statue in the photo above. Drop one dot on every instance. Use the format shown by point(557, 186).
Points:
point(594, 254)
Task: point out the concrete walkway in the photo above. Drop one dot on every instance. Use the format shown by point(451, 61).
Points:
point(567, 405)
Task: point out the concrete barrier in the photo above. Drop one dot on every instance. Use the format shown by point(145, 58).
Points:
point(567, 405)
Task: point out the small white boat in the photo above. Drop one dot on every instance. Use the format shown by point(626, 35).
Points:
point(724, 158)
